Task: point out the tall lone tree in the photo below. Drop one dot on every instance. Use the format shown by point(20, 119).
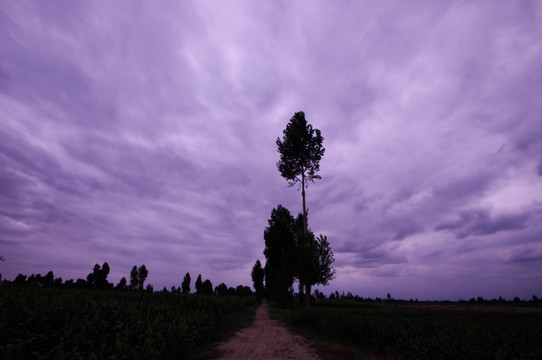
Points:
point(300, 153)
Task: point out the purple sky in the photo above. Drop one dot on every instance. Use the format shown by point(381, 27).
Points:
point(145, 134)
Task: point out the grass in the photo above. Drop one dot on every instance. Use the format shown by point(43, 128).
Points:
point(92, 324)
point(379, 332)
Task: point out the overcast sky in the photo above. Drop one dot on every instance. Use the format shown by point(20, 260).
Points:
point(144, 133)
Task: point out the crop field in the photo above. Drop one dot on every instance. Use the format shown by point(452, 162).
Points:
point(88, 324)
point(410, 333)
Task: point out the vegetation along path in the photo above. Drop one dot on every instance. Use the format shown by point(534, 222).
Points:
point(266, 339)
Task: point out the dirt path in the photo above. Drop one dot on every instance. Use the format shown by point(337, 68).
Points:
point(265, 339)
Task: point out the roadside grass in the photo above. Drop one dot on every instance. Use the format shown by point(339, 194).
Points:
point(384, 332)
point(325, 346)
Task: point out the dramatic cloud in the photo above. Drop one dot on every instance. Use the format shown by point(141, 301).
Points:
point(145, 133)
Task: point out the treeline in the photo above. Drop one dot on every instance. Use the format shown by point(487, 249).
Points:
point(351, 298)
point(97, 279)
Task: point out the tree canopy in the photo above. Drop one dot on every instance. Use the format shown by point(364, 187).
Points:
point(300, 151)
point(258, 275)
point(279, 253)
point(186, 284)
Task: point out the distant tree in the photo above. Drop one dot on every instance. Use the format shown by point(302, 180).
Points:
point(100, 278)
point(149, 288)
point(2, 258)
point(134, 280)
point(186, 284)
point(20, 280)
point(80, 284)
point(388, 296)
point(198, 284)
point(142, 273)
point(122, 284)
point(243, 291)
point(300, 153)
point(231, 291)
point(258, 275)
point(207, 288)
point(280, 256)
point(221, 290)
point(48, 280)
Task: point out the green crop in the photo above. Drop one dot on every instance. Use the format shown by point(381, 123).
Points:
point(39, 323)
point(431, 334)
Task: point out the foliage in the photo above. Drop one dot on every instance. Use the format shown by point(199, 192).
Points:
point(279, 253)
point(186, 284)
point(207, 288)
point(142, 273)
point(134, 280)
point(300, 151)
point(258, 275)
point(88, 324)
point(98, 277)
point(199, 283)
point(430, 334)
point(317, 268)
point(221, 290)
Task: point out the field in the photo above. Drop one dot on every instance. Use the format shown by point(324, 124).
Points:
point(421, 333)
point(89, 324)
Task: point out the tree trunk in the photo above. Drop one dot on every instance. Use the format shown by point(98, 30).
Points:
point(305, 252)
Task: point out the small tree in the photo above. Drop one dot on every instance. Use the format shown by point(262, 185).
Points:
point(186, 284)
point(198, 284)
point(300, 153)
point(122, 284)
point(317, 266)
point(221, 290)
point(207, 287)
point(257, 278)
point(142, 273)
point(134, 280)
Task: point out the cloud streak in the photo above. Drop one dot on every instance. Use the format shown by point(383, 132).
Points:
point(137, 133)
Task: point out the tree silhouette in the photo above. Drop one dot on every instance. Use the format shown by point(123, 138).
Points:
point(207, 288)
point(198, 284)
point(257, 278)
point(221, 290)
point(122, 284)
point(134, 280)
point(279, 253)
point(142, 273)
point(316, 267)
point(97, 279)
point(186, 284)
point(300, 153)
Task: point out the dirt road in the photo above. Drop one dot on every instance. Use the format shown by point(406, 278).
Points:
point(265, 339)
